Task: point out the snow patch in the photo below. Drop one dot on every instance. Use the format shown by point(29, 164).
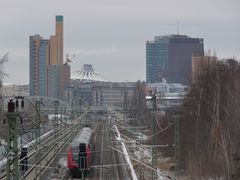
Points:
point(134, 176)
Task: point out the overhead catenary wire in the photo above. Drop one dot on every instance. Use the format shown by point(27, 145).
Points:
point(129, 138)
point(154, 134)
point(94, 166)
point(151, 168)
point(149, 136)
point(43, 146)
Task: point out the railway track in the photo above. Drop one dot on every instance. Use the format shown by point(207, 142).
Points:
point(114, 156)
point(108, 160)
point(46, 145)
point(48, 156)
point(64, 135)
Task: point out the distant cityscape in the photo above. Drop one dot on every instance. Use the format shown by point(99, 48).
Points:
point(170, 59)
point(180, 122)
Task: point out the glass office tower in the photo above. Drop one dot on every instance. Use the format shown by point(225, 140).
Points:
point(170, 57)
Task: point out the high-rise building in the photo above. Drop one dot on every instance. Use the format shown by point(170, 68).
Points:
point(59, 35)
point(58, 79)
point(53, 50)
point(53, 80)
point(49, 75)
point(170, 57)
point(56, 42)
point(39, 53)
point(64, 78)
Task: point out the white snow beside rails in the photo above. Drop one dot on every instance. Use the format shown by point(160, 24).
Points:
point(134, 176)
point(142, 153)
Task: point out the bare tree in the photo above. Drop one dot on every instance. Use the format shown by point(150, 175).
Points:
point(3, 60)
point(210, 123)
point(138, 104)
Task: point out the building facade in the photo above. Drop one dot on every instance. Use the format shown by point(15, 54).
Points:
point(98, 93)
point(49, 75)
point(56, 43)
point(58, 79)
point(170, 57)
point(39, 50)
point(53, 80)
point(91, 88)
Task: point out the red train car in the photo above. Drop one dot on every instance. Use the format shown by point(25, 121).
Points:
point(80, 156)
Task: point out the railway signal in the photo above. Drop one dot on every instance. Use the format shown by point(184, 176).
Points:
point(82, 159)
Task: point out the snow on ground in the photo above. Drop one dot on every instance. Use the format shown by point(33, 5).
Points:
point(134, 176)
point(143, 154)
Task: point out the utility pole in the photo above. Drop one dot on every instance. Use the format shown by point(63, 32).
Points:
point(12, 145)
point(153, 98)
point(154, 119)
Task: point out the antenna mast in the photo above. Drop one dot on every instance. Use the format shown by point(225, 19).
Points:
point(177, 27)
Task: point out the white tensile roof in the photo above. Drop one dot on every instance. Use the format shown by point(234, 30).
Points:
point(88, 74)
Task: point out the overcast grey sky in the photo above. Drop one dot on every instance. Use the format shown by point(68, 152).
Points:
point(111, 34)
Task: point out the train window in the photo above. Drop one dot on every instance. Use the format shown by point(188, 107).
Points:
point(82, 162)
point(75, 154)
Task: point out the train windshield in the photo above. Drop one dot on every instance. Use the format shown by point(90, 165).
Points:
point(75, 154)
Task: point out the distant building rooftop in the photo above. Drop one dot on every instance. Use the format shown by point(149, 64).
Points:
point(88, 74)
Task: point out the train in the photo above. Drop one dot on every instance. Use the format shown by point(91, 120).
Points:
point(80, 153)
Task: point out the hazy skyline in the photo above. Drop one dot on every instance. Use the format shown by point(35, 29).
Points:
point(111, 34)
